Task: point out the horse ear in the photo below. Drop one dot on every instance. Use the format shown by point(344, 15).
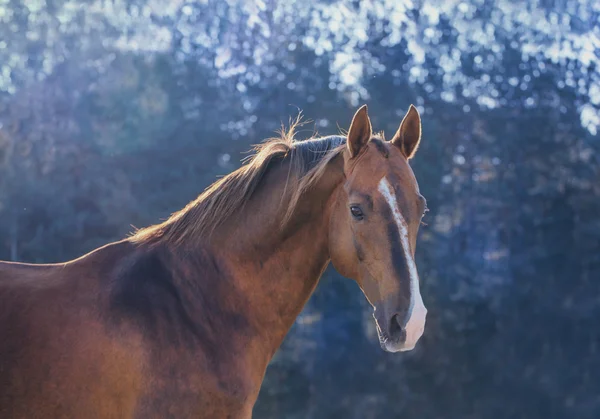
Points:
point(360, 131)
point(408, 136)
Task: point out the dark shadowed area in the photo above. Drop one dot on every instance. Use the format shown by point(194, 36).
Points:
point(115, 114)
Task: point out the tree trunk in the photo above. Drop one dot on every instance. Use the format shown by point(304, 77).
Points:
point(14, 239)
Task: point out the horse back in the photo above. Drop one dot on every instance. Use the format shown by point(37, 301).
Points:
point(58, 358)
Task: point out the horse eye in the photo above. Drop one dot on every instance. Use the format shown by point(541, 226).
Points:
point(356, 212)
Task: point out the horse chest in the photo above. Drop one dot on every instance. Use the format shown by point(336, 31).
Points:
point(174, 390)
point(193, 405)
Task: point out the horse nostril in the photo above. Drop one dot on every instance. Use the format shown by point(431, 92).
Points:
point(397, 330)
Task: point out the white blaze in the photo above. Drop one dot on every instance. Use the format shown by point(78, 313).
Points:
point(416, 311)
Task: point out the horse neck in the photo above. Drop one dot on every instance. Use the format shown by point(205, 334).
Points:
point(276, 269)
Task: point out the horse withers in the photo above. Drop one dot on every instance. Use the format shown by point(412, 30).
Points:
point(181, 319)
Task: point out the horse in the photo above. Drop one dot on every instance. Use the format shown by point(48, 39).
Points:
point(180, 319)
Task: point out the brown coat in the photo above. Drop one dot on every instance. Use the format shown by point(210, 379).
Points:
point(181, 319)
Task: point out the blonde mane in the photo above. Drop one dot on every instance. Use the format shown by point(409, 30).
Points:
point(221, 200)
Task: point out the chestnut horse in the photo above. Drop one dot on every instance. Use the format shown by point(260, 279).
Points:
point(181, 319)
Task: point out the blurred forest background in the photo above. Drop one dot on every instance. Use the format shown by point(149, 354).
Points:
point(116, 113)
